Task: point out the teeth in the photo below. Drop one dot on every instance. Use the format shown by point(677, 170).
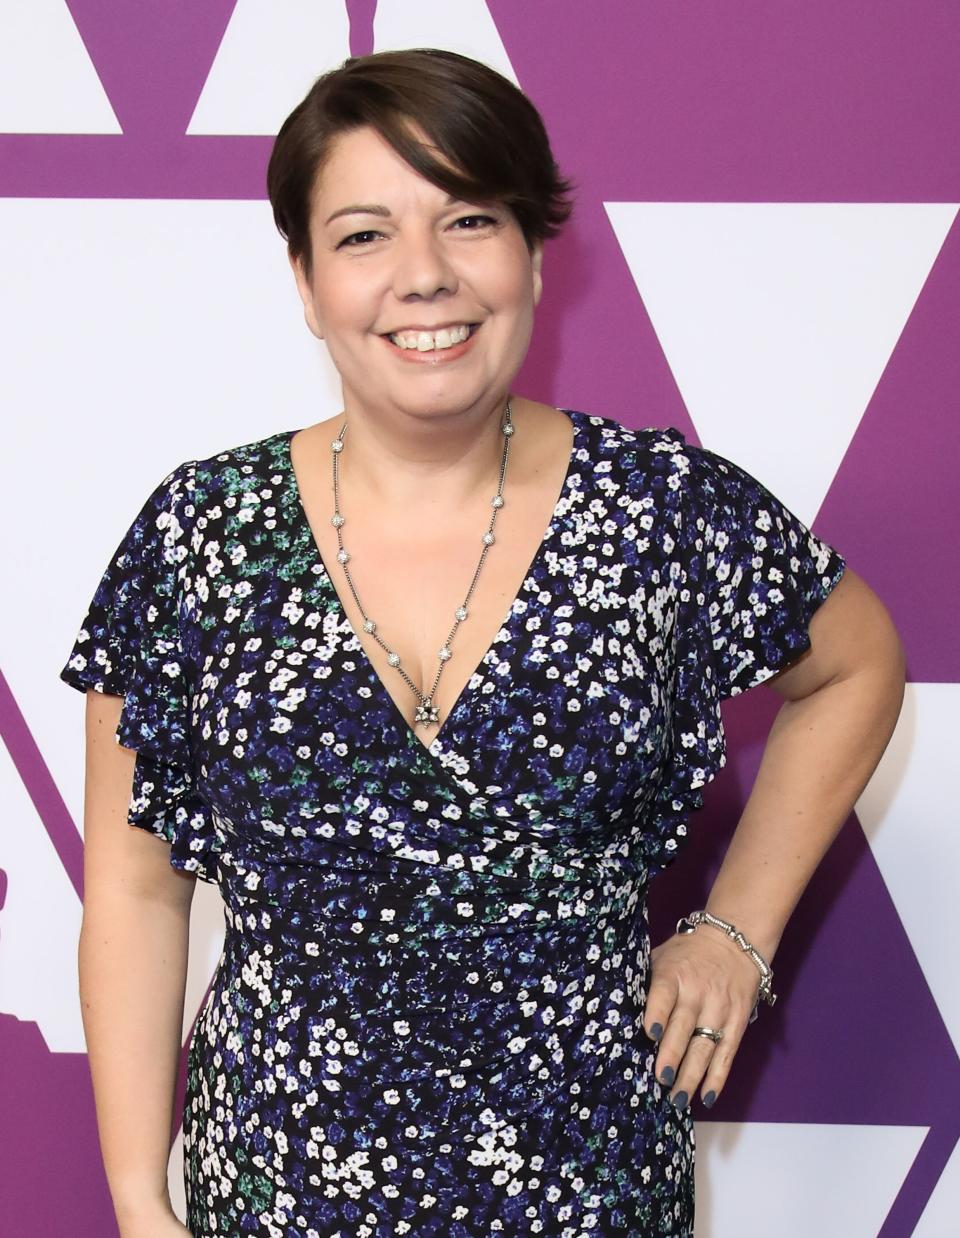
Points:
point(424, 341)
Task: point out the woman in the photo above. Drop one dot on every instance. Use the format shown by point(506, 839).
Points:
point(433, 755)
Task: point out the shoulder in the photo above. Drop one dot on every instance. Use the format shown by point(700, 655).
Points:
point(660, 469)
point(686, 466)
point(209, 496)
point(612, 436)
point(198, 484)
point(241, 468)
point(624, 451)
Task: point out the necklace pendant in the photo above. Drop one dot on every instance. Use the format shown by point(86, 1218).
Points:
point(427, 712)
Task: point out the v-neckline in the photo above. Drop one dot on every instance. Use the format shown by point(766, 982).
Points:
point(317, 566)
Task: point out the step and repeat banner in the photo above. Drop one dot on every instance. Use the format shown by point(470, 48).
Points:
point(764, 253)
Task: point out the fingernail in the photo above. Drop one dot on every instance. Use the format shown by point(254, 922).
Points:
point(667, 1075)
point(710, 1097)
point(656, 1031)
point(680, 1100)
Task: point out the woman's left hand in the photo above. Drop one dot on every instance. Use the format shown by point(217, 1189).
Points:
point(699, 979)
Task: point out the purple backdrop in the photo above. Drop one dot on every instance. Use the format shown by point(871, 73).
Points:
point(645, 102)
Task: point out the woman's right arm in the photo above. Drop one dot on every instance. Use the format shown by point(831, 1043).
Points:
point(132, 967)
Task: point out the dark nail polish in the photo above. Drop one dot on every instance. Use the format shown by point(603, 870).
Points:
point(709, 1098)
point(656, 1031)
point(667, 1075)
point(680, 1100)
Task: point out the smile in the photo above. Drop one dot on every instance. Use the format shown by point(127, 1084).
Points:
point(448, 343)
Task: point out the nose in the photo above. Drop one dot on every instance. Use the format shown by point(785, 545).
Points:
point(423, 267)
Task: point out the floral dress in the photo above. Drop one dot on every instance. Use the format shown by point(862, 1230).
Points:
point(427, 1015)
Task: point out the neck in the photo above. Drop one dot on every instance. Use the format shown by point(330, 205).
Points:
point(405, 462)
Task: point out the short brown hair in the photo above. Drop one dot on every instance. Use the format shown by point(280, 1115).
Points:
point(486, 127)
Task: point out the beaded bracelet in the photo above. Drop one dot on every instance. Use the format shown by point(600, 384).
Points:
point(688, 924)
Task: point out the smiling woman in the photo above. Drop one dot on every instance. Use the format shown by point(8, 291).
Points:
point(430, 689)
point(385, 299)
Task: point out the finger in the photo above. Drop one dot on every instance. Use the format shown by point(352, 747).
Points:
point(673, 1046)
point(699, 1052)
point(722, 1057)
point(661, 999)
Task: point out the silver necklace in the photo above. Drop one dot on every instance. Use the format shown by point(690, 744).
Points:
point(427, 712)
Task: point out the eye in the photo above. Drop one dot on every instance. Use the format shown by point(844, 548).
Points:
point(347, 240)
point(466, 218)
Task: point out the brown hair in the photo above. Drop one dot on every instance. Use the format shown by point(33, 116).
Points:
point(486, 127)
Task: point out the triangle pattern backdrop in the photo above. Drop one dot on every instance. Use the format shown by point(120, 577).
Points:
point(783, 315)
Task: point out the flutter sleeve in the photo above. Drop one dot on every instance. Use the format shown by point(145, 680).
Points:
point(752, 573)
point(130, 644)
point(749, 576)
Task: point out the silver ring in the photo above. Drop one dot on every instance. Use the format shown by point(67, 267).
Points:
point(712, 1033)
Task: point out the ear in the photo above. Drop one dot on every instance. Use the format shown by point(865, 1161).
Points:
point(536, 257)
point(306, 295)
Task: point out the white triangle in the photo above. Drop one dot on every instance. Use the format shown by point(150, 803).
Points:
point(245, 362)
point(754, 1179)
point(939, 1217)
point(777, 319)
point(912, 823)
point(268, 59)
point(464, 27)
point(48, 83)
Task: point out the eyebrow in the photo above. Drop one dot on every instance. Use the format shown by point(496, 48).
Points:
point(372, 208)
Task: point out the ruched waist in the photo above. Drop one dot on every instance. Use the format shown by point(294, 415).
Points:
point(383, 936)
point(369, 894)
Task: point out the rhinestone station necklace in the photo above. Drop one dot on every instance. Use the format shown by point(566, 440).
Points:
point(427, 712)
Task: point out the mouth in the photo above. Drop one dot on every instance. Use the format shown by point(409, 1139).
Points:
point(445, 343)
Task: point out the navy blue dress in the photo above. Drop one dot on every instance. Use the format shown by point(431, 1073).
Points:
point(427, 1017)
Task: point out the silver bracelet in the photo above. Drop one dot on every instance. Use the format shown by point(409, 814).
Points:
point(688, 924)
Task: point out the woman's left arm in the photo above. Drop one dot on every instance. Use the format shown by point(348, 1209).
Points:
point(842, 700)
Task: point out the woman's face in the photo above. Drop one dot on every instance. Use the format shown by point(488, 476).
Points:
point(392, 254)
